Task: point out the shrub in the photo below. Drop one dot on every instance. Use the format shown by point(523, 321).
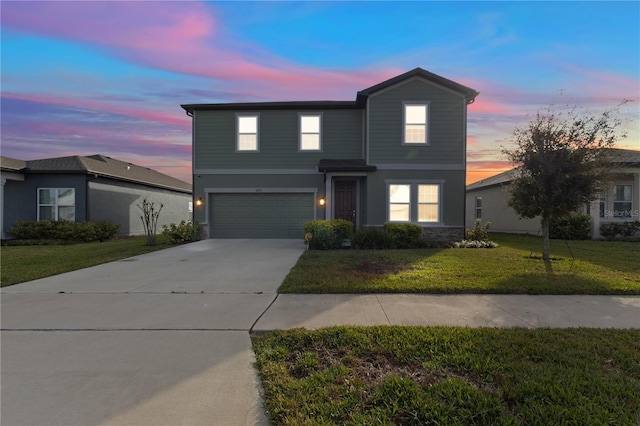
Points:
point(184, 232)
point(328, 234)
point(373, 239)
point(478, 233)
point(404, 235)
point(474, 244)
point(620, 230)
point(574, 227)
point(63, 230)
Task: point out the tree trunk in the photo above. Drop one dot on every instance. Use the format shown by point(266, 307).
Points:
point(546, 251)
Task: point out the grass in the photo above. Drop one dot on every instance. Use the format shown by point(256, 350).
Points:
point(584, 267)
point(447, 376)
point(26, 263)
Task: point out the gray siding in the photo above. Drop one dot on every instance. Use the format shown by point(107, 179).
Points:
point(21, 198)
point(109, 200)
point(117, 202)
point(496, 211)
point(452, 196)
point(215, 139)
point(446, 125)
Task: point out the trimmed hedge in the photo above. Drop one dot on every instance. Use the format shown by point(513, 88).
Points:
point(622, 230)
point(390, 236)
point(574, 227)
point(328, 234)
point(63, 230)
point(184, 232)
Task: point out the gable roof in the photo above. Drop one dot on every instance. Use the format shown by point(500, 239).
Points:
point(11, 164)
point(361, 97)
point(106, 167)
point(618, 157)
point(469, 93)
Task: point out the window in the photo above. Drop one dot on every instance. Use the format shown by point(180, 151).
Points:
point(247, 133)
point(478, 207)
point(428, 203)
point(414, 202)
point(603, 203)
point(57, 204)
point(399, 203)
point(622, 201)
point(415, 123)
point(310, 132)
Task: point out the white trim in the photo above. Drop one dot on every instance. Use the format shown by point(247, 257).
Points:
point(258, 190)
point(419, 166)
point(247, 114)
point(414, 78)
point(55, 205)
point(427, 125)
point(310, 114)
point(413, 206)
point(329, 188)
point(256, 171)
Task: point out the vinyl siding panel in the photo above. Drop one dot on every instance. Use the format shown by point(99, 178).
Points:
point(445, 127)
point(452, 197)
point(215, 139)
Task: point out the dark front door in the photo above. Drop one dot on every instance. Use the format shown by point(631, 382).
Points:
point(345, 196)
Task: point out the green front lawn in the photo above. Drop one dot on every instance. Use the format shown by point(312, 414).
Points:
point(26, 263)
point(598, 267)
point(447, 376)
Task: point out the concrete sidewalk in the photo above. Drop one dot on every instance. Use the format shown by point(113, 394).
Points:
point(163, 338)
point(315, 311)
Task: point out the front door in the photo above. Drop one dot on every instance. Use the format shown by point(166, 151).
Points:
point(345, 200)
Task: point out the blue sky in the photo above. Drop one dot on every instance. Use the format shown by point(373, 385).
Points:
point(80, 78)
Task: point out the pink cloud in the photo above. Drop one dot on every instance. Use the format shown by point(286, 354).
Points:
point(169, 118)
point(182, 37)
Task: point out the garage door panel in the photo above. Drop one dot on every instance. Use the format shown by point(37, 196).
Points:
point(267, 215)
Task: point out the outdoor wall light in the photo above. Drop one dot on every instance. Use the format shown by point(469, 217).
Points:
point(321, 201)
point(199, 201)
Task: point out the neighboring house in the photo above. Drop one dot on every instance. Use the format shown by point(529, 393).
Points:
point(487, 199)
point(394, 154)
point(93, 188)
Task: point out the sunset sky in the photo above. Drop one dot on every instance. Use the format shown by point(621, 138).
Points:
point(89, 77)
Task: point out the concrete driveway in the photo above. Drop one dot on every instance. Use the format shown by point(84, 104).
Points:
point(158, 339)
point(162, 339)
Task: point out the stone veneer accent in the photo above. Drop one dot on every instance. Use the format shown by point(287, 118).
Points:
point(440, 234)
point(444, 234)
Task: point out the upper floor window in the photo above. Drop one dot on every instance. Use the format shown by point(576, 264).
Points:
point(478, 201)
point(310, 135)
point(57, 204)
point(247, 132)
point(622, 201)
point(415, 123)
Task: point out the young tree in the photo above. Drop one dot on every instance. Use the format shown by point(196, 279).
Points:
point(149, 219)
point(561, 162)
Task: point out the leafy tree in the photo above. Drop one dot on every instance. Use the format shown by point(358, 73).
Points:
point(561, 162)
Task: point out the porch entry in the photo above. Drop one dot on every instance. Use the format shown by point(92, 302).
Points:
point(345, 205)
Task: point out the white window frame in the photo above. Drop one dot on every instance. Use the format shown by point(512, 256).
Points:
point(256, 133)
point(390, 204)
point(406, 123)
point(301, 133)
point(414, 201)
point(56, 205)
point(616, 201)
point(477, 208)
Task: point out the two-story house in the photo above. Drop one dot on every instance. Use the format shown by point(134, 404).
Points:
point(397, 153)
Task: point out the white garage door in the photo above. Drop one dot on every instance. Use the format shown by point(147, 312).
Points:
point(264, 215)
